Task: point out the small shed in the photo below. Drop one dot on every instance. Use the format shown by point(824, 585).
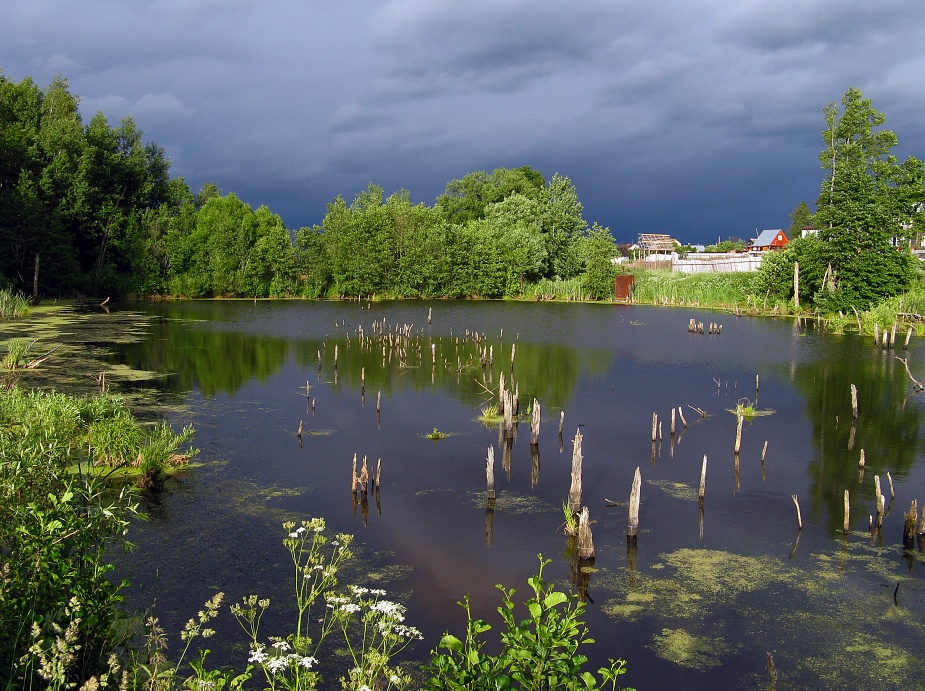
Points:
point(623, 287)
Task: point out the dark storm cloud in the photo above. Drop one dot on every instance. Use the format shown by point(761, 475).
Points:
point(698, 118)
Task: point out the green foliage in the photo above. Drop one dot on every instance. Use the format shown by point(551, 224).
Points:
point(800, 218)
point(538, 652)
point(58, 606)
point(13, 304)
point(726, 246)
point(599, 251)
point(867, 199)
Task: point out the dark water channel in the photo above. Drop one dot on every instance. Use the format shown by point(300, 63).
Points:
point(697, 605)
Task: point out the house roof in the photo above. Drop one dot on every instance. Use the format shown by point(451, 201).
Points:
point(657, 242)
point(766, 237)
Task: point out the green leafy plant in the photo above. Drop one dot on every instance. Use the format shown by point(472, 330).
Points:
point(539, 652)
point(436, 435)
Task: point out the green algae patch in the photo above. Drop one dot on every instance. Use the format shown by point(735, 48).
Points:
point(513, 503)
point(719, 572)
point(684, 648)
point(635, 605)
point(678, 490)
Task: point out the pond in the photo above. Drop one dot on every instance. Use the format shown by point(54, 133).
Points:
point(704, 597)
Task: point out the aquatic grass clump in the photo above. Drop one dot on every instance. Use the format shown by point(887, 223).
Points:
point(490, 414)
point(745, 408)
point(436, 435)
point(12, 304)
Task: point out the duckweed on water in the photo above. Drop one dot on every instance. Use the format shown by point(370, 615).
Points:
point(836, 644)
point(687, 650)
point(678, 490)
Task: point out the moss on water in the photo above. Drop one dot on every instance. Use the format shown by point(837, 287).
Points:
point(678, 490)
point(686, 649)
point(832, 625)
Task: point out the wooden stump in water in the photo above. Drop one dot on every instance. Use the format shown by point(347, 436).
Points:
point(654, 426)
point(854, 401)
point(703, 478)
point(739, 422)
point(585, 542)
point(681, 414)
point(911, 517)
point(490, 472)
point(364, 477)
point(574, 494)
point(796, 503)
point(632, 529)
point(847, 522)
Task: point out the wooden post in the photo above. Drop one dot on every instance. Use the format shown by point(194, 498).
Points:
point(364, 477)
point(561, 421)
point(847, 522)
point(513, 350)
point(35, 281)
point(739, 433)
point(355, 480)
point(681, 414)
point(876, 335)
point(585, 542)
point(632, 529)
point(378, 473)
point(908, 338)
point(890, 480)
point(335, 358)
point(909, 525)
point(703, 478)
point(654, 426)
point(861, 461)
point(796, 503)
point(893, 336)
point(796, 285)
point(490, 472)
point(429, 314)
point(535, 422)
point(574, 494)
point(764, 450)
point(854, 401)
point(672, 421)
point(879, 497)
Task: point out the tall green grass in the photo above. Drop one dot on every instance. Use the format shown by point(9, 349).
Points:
point(12, 304)
point(665, 287)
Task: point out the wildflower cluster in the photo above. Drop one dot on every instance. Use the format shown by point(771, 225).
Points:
point(372, 627)
point(374, 632)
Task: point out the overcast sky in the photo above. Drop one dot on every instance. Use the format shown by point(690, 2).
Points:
point(698, 118)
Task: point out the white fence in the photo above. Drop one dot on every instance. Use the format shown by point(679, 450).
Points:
point(718, 263)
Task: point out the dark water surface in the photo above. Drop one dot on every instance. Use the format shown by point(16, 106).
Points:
point(696, 606)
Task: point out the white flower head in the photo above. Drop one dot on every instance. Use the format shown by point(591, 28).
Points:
point(281, 645)
point(308, 662)
point(278, 664)
point(258, 656)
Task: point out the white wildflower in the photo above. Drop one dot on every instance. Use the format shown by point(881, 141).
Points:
point(281, 645)
point(376, 591)
point(350, 607)
point(308, 662)
point(258, 656)
point(278, 664)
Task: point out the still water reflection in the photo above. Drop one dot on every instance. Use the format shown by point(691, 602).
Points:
point(704, 598)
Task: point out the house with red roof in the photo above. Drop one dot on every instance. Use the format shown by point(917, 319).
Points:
point(775, 239)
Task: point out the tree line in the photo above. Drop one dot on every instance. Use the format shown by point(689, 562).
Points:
point(91, 209)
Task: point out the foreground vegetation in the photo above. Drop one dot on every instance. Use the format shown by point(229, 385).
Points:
point(62, 614)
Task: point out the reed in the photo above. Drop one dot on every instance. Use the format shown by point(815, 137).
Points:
point(12, 304)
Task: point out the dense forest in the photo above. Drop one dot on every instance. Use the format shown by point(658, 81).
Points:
point(91, 208)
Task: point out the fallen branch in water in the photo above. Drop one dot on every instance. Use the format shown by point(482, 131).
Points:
point(916, 385)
